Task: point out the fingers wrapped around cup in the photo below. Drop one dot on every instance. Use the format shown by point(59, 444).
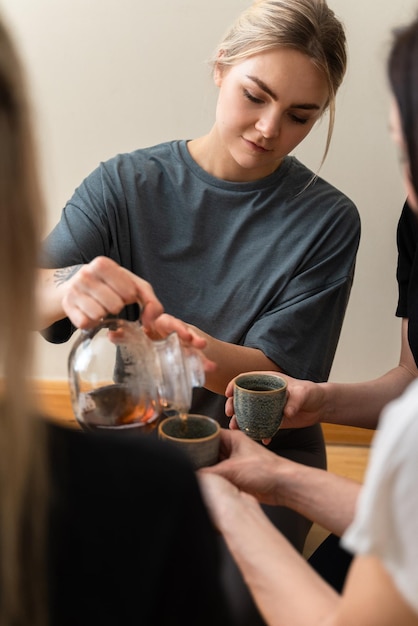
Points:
point(259, 400)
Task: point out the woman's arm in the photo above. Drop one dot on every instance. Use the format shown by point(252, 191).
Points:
point(285, 588)
point(370, 598)
point(87, 293)
point(360, 404)
point(231, 360)
point(325, 498)
point(349, 404)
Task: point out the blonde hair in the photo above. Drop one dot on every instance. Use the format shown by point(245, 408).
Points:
point(21, 439)
point(308, 26)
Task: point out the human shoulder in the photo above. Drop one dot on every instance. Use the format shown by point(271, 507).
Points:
point(161, 152)
point(129, 509)
point(116, 463)
point(324, 197)
point(127, 170)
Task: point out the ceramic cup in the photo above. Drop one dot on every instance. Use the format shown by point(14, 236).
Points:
point(259, 401)
point(197, 435)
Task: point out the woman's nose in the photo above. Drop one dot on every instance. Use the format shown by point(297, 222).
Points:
point(269, 125)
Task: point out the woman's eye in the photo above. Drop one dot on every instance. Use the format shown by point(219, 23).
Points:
point(252, 98)
point(297, 119)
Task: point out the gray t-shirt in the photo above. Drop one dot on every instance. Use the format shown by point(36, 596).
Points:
point(267, 264)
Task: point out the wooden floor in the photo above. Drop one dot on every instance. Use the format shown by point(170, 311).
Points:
point(348, 460)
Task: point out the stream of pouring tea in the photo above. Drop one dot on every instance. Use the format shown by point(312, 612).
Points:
point(183, 416)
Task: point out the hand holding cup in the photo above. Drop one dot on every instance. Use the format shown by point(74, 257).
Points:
point(259, 400)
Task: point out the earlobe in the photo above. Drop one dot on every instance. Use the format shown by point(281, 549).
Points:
point(219, 69)
point(218, 73)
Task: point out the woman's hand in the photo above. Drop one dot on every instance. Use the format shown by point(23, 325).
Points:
point(304, 407)
point(222, 498)
point(249, 466)
point(166, 324)
point(92, 291)
point(102, 287)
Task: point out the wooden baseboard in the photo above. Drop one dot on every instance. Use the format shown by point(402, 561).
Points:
point(347, 435)
point(54, 398)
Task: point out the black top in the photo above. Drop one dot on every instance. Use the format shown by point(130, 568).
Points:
point(407, 275)
point(130, 541)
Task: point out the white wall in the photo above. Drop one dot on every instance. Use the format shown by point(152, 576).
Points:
point(109, 76)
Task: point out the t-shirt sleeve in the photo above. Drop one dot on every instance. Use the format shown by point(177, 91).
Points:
point(386, 520)
point(304, 339)
point(301, 333)
point(85, 231)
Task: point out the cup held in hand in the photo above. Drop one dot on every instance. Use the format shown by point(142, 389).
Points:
point(259, 400)
point(197, 435)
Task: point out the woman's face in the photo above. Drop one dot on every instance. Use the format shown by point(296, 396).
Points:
point(267, 105)
point(398, 138)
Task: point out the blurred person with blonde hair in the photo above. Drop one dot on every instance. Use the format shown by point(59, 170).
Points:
point(93, 529)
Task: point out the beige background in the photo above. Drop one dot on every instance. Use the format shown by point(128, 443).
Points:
point(109, 76)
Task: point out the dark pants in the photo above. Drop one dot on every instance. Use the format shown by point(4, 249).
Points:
point(331, 562)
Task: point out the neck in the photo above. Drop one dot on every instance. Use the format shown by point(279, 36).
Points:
point(212, 156)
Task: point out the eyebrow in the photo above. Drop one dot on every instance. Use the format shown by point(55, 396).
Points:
point(266, 89)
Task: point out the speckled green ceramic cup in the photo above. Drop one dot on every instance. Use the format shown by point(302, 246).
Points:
point(197, 435)
point(259, 400)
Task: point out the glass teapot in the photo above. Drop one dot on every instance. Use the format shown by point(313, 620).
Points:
point(120, 378)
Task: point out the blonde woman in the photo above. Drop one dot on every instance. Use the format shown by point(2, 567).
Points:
point(237, 238)
point(92, 530)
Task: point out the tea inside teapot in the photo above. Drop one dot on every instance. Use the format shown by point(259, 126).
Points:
point(119, 378)
point(115, 406)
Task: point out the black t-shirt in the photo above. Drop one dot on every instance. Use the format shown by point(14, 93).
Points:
point(407, 274)
point(130, 540)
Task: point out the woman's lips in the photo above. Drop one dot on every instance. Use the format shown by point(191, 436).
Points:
point(255, 147)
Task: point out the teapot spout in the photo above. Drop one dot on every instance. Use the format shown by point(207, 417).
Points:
point(180, 370)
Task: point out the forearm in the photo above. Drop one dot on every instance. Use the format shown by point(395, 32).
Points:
point(360, 404)
point(277, 576)
point(50, 293)
point(325, 498)
point(231, 360)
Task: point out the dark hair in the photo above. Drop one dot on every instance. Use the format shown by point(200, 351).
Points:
point(403, 78)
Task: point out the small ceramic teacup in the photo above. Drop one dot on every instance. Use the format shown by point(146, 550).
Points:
point(197, 435)
point(259, 401)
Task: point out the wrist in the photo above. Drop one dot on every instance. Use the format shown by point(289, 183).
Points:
point(286, 478)
point(328, 399)
point(238, 516)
